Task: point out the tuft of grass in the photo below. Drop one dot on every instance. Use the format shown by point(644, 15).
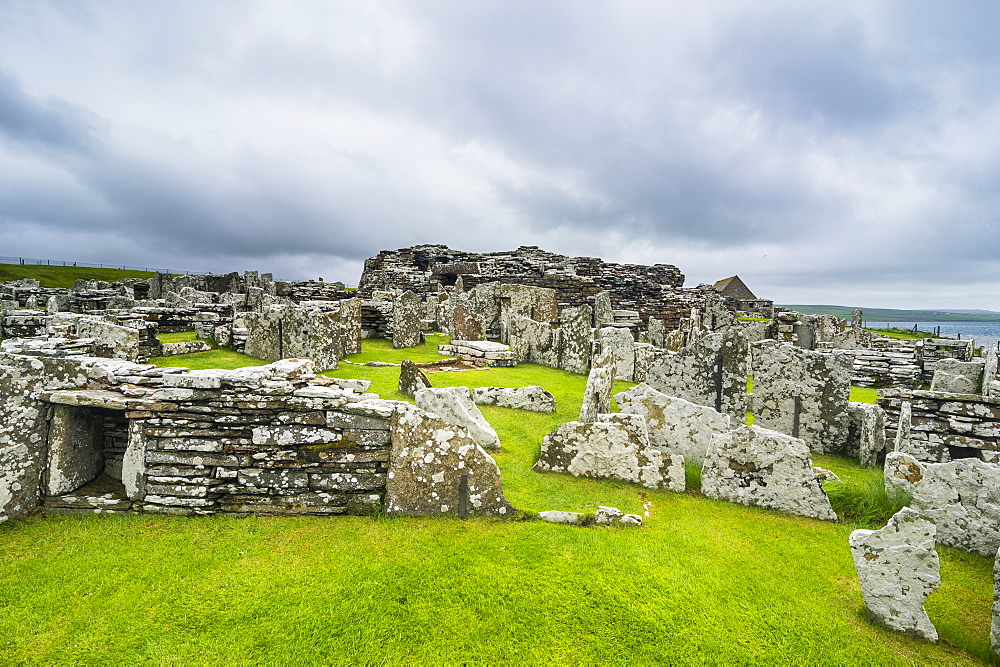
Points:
point(860, 498)
point(65, 276)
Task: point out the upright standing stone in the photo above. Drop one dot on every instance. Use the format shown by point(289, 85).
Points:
point(802, 393)
point(756, 467)
point(411, 378)
point(604, 315)
point(616, 446)
point(675, 425)
point(574, 323)
point(707, 372)
point(897, 569)
point(427, 463)
point(600, 385)
point(407, 311)
point(465, 325)
point(655, 331)
point(868, 427)
point(961, 497)
point(455, 406)
point(991, 387)
point(619, 341)
point(995, 633)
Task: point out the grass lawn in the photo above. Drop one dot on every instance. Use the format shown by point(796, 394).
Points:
point(65, 276)
point(701, 581)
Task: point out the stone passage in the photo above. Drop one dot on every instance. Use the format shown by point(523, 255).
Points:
point(757, 467)
point(898, 568)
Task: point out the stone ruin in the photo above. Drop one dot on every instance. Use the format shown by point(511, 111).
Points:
point(88, 434)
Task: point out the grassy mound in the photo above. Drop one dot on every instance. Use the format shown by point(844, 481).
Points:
point(701, 581)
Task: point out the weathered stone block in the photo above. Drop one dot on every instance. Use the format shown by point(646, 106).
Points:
point(675, 426)
point(754, 466)
point(616, 446)
point(898, 568)
point(532, 397)
point(455, 406)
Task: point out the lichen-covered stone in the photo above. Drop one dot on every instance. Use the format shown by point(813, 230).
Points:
point(407, 312)
point(73, 458)
point(867, 432)
point(754, 466)
point(411, 378)
point(821, 383)
point(428, 459)
point(619, 341)
point(958, 377)
point(575, 326)
point(692, 373)
point(455, 406)
point(961, 497)
point(604, 315)
point(612, 516)
point(616, 446)
point(675, 426)
point(898, 568)
point(600, 385)
point(532, 397)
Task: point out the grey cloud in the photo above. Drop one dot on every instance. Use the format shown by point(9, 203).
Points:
point(45, 124)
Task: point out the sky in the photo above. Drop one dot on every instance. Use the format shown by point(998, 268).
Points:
point(827, 152)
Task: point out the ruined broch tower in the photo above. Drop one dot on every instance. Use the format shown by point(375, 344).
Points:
point(653, 291)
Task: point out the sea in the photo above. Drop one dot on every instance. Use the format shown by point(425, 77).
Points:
point(986, 334)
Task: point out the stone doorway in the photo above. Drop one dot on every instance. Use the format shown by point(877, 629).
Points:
point(86, 446)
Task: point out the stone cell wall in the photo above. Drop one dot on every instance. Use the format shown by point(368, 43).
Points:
point(945, 426)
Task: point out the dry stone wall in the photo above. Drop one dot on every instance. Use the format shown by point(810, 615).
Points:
point(945, 426)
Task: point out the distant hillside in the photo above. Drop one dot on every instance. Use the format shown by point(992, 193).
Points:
point(64, 276)
point(894, 315)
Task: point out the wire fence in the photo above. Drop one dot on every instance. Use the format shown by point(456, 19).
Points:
point(58, 262)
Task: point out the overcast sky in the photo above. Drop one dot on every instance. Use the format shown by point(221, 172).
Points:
point(827, 152)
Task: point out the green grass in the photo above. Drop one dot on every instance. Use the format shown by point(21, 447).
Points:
point(863, 394)
point(178, 337)
point(220, 358)
point(903, 334)
point(701, 581)
point(65, 276)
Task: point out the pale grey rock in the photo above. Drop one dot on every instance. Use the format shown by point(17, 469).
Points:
point(655, 332)
point(411, 378)
point(923, 450)
point(428, 459)
point(961, 497)
point(520, 349)
point(819, 383)
point(898, 568)
point(612, 516)
point(545, 340)
point(619, 341)
point(407, 311)
point(675, 426)
point(456, 407)
point(283, 331)
point(754, 466)
point(958, 377)
point(614, 447)
point(74, 457)
point(645, 355)
point(532, 397)
point(566, 518)
point(867, 432)
point(537, 303)
point(991, 387)
point(691, 373)
point(185, 347)
point(574, 323)
point(600, 385)
point(716, 316)
point(604, 315)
